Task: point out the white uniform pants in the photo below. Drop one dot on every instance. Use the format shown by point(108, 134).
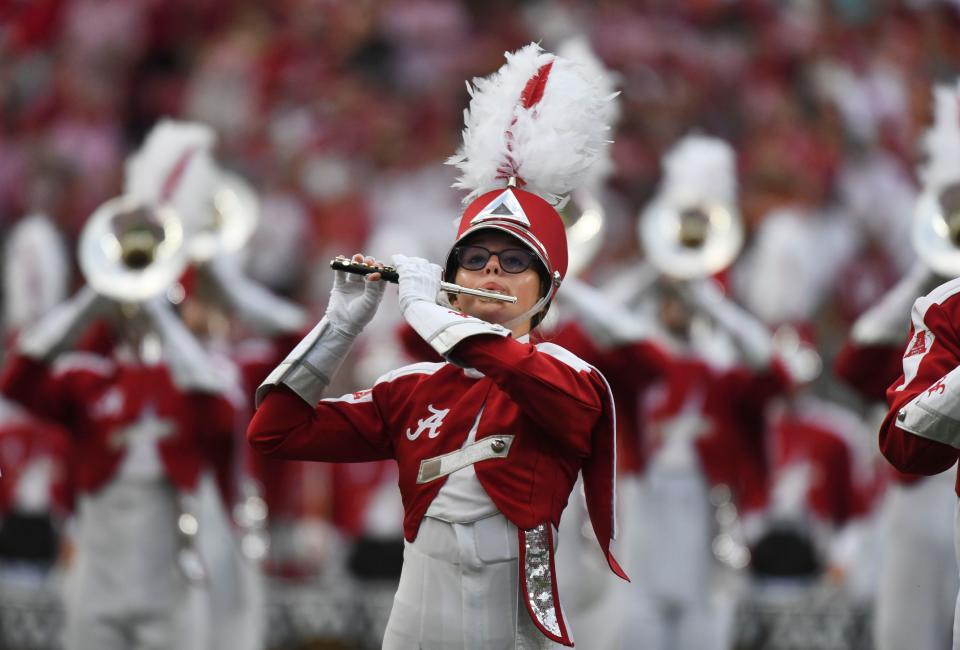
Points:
point(459, 591)
point(126, 590)
point(918, 580)
point(233, 610)
point(595, 600)
point(670, 603)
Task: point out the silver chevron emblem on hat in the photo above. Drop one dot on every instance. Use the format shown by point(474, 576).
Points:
point(506, 206)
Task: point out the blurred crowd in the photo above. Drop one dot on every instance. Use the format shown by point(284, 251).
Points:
point(341, 113)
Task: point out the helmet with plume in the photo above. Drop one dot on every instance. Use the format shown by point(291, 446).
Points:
point(533, 131)
point(692, 227)
point(175, 166)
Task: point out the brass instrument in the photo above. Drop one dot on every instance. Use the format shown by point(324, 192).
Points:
point(131, 251)
point(585, 224)
point(692, 240)
point(936, 230)
point(231, 219)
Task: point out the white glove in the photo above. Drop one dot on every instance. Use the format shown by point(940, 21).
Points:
point(608, 322)
point(308, 369)
point(252, 302)
point(888, 321)
point(190, 366)
point(419, 280)
point(750, 335)
point(58, 330)
point(441, 327)
point(353, 302)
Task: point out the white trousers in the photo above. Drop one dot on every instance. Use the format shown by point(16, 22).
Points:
point(595, 600)
point(233, 611)
point(670, 603)
point(126, 590)
point(918, 581)
point(459, 590)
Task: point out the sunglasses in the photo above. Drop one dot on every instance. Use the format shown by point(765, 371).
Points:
point(512, 260)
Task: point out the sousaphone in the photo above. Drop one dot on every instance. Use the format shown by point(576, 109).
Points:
point(130, 250)
point(230, 221)
point(936, 229)
point(585, 225)
point(690, 239)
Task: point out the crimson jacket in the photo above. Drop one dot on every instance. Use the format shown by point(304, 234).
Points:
point(558, 408)
point(97, 398)
point(933, 351)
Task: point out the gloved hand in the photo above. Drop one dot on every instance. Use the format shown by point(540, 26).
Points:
point(609, 323)
point(419, 280)
point(751, 336)
point(191, 367)
point(441, 327)
point(311, 365)
point(353, 300)
point(888, 321)
point(253, 303)
point(60, 328)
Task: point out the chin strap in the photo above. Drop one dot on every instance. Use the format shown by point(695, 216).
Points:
point(538, 306)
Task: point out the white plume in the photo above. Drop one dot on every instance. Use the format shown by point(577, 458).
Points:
point(941, 142)
point(148, 170)
point(35, 271)
point(551, 146)
point(578, 50)
point(699, 168)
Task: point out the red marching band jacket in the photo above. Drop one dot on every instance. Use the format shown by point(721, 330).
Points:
point(24, 441)
point(932, 351)
point(558, 409)
point(98, 399)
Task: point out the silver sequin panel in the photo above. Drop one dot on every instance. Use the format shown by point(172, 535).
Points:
point(539, 582)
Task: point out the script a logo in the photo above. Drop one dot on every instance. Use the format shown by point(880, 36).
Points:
point(430, 424)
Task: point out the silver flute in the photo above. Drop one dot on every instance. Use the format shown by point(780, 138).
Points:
point(390, 274)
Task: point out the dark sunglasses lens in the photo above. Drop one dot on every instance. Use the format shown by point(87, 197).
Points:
point(515, 260)
point(473, 258)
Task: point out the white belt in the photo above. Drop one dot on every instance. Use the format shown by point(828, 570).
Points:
point(490, 447)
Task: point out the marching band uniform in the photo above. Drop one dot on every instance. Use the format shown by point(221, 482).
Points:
point(175, 165)
point(696, 415)
point(489, 442)
point(818, 496)
point(138, 434)
point(698, 424)
point(918, 435)
point(36, 489)
point(914, 514)
point(35, 493)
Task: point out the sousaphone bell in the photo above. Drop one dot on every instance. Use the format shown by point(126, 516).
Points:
point(230, 222)
point(936, 229)
point(690, 239)
point(131, 250)
point(585, 223)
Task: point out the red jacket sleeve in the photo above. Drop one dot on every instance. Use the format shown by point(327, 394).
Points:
point(549, 384)
point(869, 369)
point(932, 351)
point(39, 388)
point(345, 429)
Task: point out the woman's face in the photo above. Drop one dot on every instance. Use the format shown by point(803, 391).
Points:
point(524, 285)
